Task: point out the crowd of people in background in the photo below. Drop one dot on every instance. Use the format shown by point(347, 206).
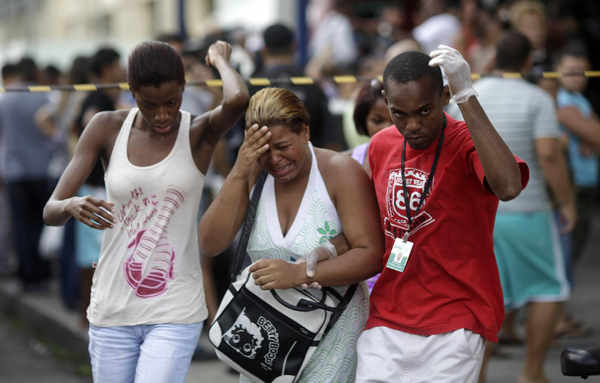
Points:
point(39, 132)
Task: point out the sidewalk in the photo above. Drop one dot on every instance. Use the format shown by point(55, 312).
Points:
point(45, 316)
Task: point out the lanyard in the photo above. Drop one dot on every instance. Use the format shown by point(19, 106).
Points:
point(427, 184)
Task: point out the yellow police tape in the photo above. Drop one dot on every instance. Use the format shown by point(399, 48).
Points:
point(269, 82)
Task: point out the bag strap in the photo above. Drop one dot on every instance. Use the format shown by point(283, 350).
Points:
point(236, 265)
point(336, 315)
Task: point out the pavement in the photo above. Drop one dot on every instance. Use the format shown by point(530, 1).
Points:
point(44, 315)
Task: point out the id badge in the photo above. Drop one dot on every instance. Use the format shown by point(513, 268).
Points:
point(399, 255)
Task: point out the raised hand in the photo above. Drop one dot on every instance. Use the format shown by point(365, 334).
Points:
point(218, 49)
point(254, 146)
point(92, 211)
point(457, 71)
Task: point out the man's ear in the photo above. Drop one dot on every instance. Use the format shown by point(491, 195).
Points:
point(446, 95)
point(384, 97)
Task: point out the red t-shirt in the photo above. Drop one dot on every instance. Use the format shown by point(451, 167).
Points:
point(451, 279)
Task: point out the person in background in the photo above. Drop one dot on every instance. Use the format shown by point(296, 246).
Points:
point(332, 46)
point(104, 68)
point(147, 304)
point(10, 74)
point(401, 46)
point(51, 75)
point(351, 135)
point(529, 18)
point(7, 253)
point(56, 120)
point(370, 116)
point(526, 238)
point(438, 297)
point(391, 28)
point(582, 125)
point(25, 154)
point(279, 63)
point(439, 25)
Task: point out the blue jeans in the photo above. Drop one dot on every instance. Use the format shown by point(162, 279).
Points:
point(158, 353)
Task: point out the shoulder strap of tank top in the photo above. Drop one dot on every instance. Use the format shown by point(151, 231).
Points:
point(120, 145)
point(314, 169)
point(184, 129)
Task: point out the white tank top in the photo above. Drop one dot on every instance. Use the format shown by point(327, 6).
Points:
point(317, 221)
point(149, 268)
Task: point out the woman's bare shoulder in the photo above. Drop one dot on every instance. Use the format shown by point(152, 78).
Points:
point(338, 167)
point(112, 120)
point(104, 127)
point(331, 159)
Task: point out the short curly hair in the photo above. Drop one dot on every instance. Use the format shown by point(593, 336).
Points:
point(154, 63)
point(412, 66)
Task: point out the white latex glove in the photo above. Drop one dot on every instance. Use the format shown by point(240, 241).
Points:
point(323, 252)
point(457, 71)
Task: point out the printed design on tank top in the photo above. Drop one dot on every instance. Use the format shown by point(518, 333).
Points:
point(327, 232)
point(152, 245)
point(396, 222)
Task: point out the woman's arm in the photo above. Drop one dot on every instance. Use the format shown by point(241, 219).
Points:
point(235, 93)
point(588, 130)
point(555, 169)
point(225, 215)
point(64, 202)
point(44, 120)
point(357, 208)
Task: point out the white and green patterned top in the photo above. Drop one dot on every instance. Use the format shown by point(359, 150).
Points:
point(316, 221)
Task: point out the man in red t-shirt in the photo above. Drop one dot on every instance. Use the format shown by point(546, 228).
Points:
point(439, 296)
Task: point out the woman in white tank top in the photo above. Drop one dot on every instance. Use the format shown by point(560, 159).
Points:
point(310, 196)
point(147, 302)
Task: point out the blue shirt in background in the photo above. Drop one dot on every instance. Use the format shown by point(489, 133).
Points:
point(584, 168)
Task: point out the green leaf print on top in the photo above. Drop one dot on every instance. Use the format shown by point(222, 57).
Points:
point(328, 232)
